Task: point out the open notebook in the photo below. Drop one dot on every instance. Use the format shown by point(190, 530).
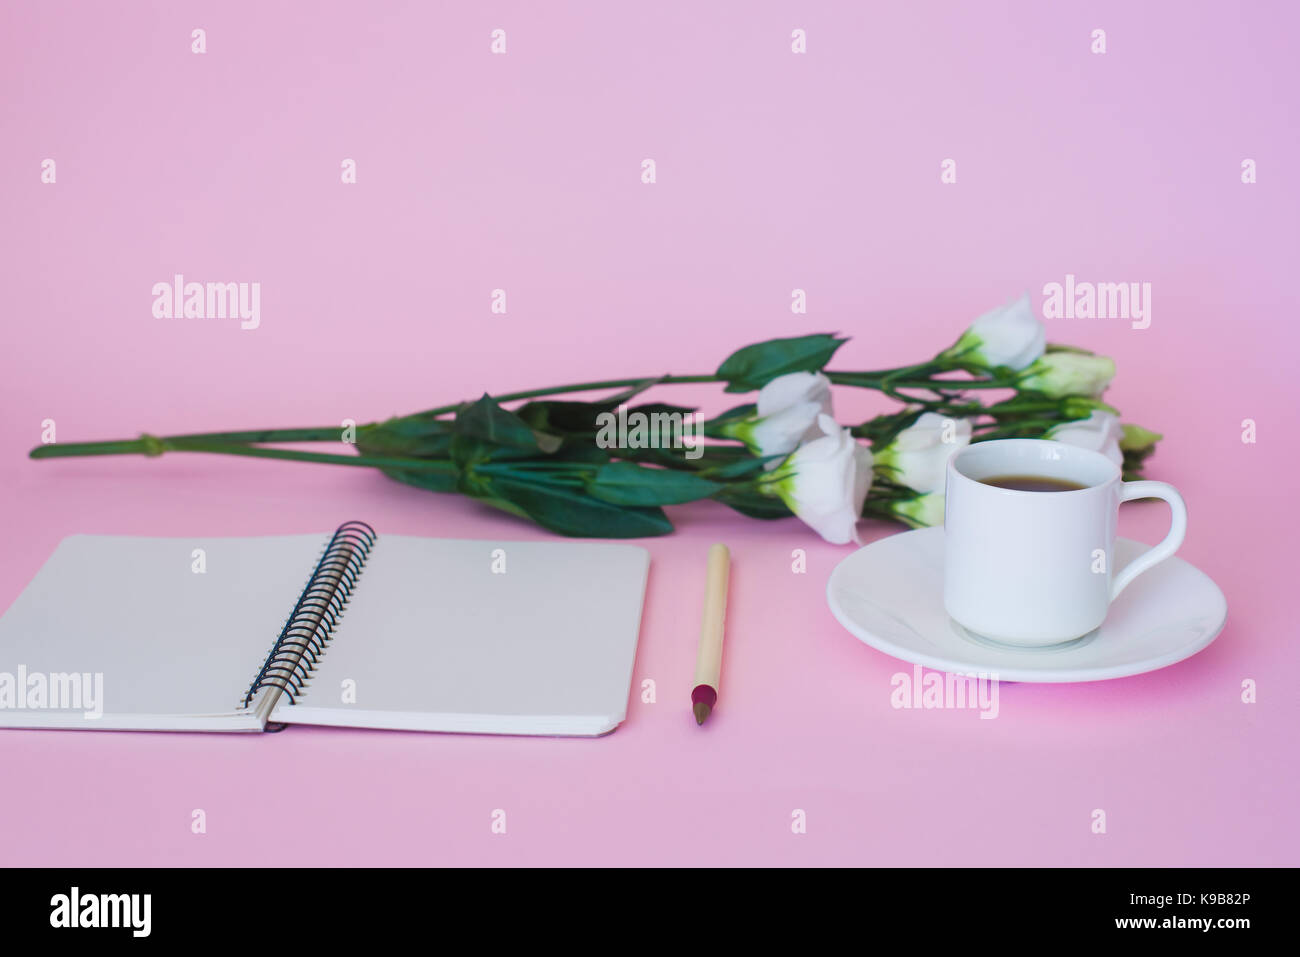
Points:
point(350, 629)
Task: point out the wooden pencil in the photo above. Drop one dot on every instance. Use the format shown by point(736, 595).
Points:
point(708, 661)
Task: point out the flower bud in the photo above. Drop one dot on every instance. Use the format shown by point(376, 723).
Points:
point(1099, 432)
point(1010, 336)
point(786, 414)
point(1137, 439)
point(1060, 374)
point(920, 512)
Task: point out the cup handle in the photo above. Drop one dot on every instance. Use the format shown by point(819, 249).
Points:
point(1172, 541)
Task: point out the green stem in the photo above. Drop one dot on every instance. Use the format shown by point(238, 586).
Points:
point(582, 387)
point(67, 449)
point(956, 385)
point(887, 383)
point(1017, 428)
point(1029, 405)
point(150, 445)
point(329, 433)
point(934, 385)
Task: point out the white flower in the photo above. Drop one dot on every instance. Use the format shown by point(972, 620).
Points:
point(1138, 439)
point(826, 481)
point(918, 456)
point(1059, 374)
point(786, 415)
point(920, 512)
point(1099, 432)
point(1009, 335)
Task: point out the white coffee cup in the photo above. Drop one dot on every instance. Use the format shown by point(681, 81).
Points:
point(1035, 568)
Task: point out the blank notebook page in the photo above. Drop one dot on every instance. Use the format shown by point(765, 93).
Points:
point(169, 641)
point(494, 637)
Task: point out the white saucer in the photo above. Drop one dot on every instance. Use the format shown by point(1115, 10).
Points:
point(890, 594)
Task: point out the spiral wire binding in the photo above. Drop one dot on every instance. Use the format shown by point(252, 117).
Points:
point(307, 632)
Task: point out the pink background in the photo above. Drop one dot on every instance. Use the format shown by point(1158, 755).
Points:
point(775, 171)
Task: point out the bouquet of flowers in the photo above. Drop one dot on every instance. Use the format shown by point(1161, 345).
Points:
point(606, 469)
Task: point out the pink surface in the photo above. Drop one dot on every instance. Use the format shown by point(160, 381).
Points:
point(775, 171)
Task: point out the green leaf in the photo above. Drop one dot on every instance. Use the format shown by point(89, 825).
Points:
point(739, 412)
point(572, 512)
point(472, 454)
point(421, 423)
point(669, 458)
point(567, 415)
point(467, 452)
point(487, 421)
point(716, 427)
point(582, 418)
point(741, 468)
point(753, 504)
point(564, 416)
point(756, 365)
point(503, 505)
point(883, 429)
point(426, 439)
point(430, 481)
point(625, 483)
point(574, 449)
point(708, 457)
point(1135, 460)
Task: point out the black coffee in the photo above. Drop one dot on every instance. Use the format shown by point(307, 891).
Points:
point(1032, 483)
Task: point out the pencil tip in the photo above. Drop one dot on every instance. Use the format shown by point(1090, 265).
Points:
point(702, 711)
